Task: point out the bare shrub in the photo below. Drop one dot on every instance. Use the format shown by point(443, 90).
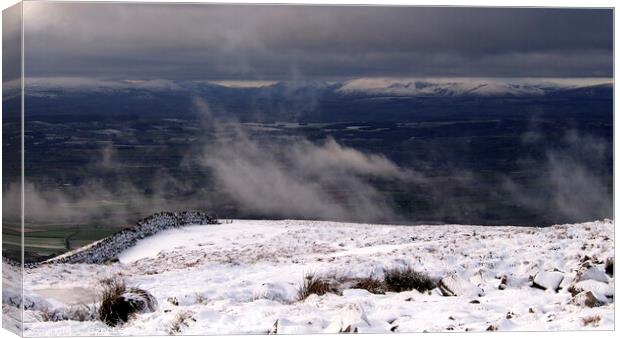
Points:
point(315, 285)
point(406, 279)
point(181, 321)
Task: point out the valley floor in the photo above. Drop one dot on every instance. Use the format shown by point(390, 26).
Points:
point(244, 276)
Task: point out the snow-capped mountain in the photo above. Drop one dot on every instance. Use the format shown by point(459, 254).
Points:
point(372, 86)
point(462, 87)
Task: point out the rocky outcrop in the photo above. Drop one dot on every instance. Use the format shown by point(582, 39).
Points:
point(453, 285)
point(110, 247)
point(591, 286)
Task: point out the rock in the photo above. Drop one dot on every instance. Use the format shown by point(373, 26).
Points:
point(279, 292)
point(591, 273)
point(492, 328)
point(503, 283)
point(592, 285)
point(140, 300)
point(348, 319)
point(349, 329)
point(589, 299)
point(609, 266)
point(274, 328)
point(548, 280)
point(453, 285)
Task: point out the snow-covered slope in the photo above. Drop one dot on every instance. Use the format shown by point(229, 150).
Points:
point(243, 277)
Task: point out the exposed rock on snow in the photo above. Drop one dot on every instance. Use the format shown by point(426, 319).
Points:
point(453, 285)
point(548, 280)
point(594, 286)
point(348, 319)
point(503, 283)
point(589, 299)
point(120, 304)
point(591, 273)
point(609, 266)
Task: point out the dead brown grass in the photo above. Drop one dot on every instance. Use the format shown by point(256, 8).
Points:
point(371, 285)
point(591, 320)
point(313, 284)
point(406, 279)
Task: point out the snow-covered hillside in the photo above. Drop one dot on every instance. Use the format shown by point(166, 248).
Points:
point(244, 276)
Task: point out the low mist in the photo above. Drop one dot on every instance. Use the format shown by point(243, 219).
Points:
point(293, 177)
point(572, 180)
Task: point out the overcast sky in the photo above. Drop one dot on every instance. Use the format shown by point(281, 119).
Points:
point(235, 42)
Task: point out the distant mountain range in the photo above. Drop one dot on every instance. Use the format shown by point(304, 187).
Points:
point(465, 87)
point(358, 99)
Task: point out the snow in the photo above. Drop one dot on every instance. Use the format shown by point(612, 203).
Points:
point(193, 237)
point(243, 277)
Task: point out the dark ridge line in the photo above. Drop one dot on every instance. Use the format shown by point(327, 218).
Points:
point(110, 247)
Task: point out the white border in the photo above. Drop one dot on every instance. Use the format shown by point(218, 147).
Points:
point(483, 3)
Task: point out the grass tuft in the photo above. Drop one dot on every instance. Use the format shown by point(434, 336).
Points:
point(119, 303)
point(313, 284)
point(406, 279)
point(371, 285)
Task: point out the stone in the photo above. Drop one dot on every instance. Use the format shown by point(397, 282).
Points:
point(587, 298)
point(453, 285)
point(548, 280)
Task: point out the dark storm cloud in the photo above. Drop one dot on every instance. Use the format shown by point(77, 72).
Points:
point(184, 41)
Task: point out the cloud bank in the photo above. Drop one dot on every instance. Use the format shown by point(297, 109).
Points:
point(279, 42)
